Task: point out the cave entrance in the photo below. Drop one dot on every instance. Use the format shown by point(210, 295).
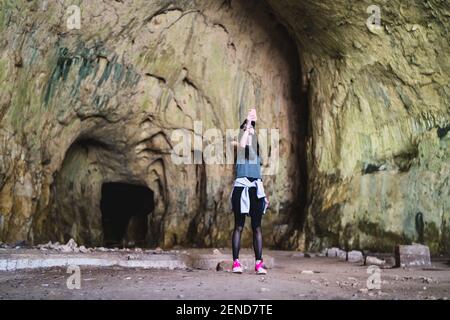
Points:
point(125, 208)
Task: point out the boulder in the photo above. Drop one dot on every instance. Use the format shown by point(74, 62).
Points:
point(415, 255)
point(342, 255)
point(355, 256)
point(374, 261)
point(332, 252)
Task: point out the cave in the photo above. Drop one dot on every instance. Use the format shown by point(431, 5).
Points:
point(97, 199)
point(362, 113)
point(125, 209)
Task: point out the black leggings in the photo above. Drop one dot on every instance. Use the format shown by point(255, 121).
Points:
point(239, 221)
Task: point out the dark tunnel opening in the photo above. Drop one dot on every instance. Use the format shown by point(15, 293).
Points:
point(125, 209)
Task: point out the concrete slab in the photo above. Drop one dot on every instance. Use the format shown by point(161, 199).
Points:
point(33, 260)
point(12, 260)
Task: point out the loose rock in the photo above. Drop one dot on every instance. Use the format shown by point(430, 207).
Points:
point(342, 255)
point(374, 261)
point(333, 252)
point(355, 256)
point(307, 272)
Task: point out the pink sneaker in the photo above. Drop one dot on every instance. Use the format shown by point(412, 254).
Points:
point(259, 267)
point(237, 268)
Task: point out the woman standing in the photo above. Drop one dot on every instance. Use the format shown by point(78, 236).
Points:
point(248, 197)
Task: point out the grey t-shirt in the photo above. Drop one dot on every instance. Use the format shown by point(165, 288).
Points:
point(251, 167)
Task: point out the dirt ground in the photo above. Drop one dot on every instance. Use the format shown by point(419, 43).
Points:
point(331, 279)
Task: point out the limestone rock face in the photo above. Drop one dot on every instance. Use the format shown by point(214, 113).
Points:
point(362, 112)
point(378, 150)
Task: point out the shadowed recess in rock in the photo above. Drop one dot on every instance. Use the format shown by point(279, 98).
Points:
point(125, 209)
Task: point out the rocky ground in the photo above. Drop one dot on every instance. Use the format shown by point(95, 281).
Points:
point(293, 276)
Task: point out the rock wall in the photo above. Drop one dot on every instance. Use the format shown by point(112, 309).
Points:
point(99, 104)
point(362, 112)
point(378, 154)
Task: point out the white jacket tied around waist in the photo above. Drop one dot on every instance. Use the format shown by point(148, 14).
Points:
point(245, 198)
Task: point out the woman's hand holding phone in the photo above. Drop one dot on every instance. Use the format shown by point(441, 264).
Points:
point(251, 116)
